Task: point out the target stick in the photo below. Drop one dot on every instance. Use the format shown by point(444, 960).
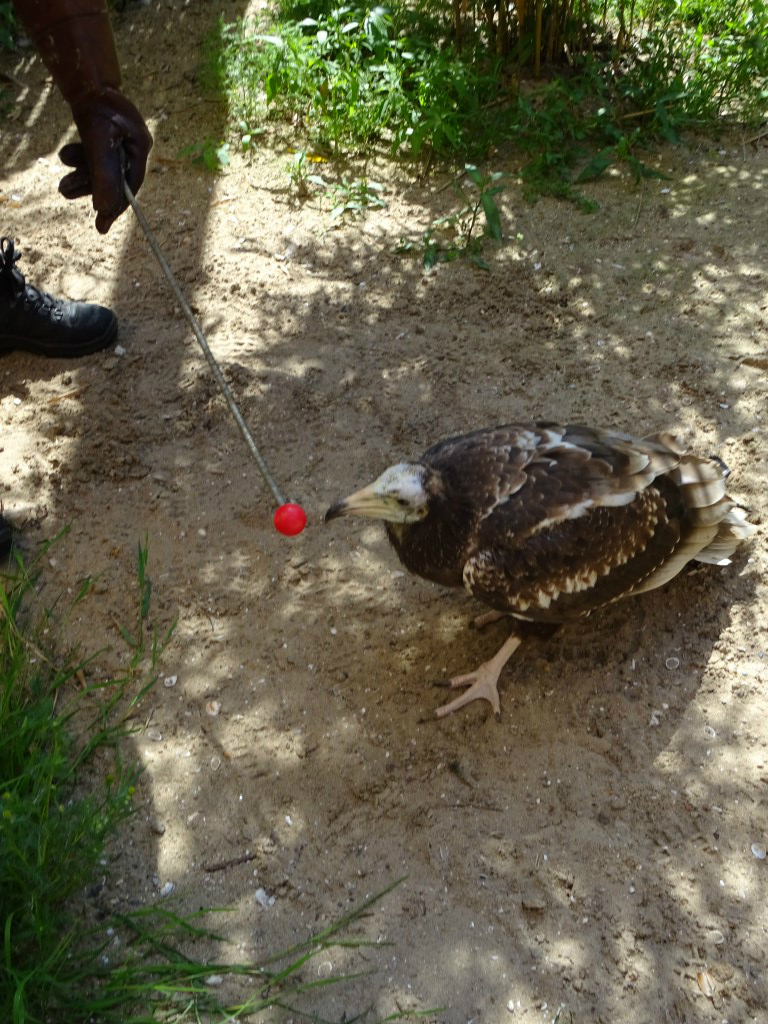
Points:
point(289, 518)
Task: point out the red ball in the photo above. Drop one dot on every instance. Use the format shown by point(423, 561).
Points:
point(290, 519)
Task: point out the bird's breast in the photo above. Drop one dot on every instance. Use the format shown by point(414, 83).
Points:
point(433, 550)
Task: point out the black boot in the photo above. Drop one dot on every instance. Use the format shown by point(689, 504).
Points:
point(36, 322)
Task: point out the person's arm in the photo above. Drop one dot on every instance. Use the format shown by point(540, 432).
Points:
point(74, 39)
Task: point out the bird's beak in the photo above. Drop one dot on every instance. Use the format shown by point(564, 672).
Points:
point(366, 502)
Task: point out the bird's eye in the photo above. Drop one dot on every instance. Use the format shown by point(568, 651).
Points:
point(402, 502)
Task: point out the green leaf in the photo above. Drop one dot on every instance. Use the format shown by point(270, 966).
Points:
point(430, 256)
point(491, 211)
point(641, 170)
point(599, 163)
point(277, 41)
point(478, 260)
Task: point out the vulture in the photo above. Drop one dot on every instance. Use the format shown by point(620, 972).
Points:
point(548, 523)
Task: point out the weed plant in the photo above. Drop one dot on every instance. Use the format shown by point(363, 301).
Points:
point(53, 830)
point(351, 79)
point(455, 235)
point(345, 196)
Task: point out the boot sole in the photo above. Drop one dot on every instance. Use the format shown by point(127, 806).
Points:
point(61, 349)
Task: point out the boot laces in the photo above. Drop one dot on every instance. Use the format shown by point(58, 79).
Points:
point(12, 277)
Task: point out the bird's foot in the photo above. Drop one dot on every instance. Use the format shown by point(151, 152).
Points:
point(481, 687)
point(482, 683)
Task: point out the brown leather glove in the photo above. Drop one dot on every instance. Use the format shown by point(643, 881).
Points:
point(75, 40)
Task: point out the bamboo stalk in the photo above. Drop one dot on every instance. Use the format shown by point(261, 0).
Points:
point(537, 38)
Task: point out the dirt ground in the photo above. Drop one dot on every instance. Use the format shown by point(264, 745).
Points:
point(591, 854)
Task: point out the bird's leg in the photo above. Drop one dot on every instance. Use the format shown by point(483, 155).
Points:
point(481, 621)
point(483, 681)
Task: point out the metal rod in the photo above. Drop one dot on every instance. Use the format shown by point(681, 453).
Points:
point(215, 368)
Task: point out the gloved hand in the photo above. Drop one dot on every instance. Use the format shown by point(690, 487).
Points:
point(115, 140)
point(75, 40)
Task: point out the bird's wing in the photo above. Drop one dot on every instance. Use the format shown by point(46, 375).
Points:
point(567, 518)
point(522, 478)
point(573, 566)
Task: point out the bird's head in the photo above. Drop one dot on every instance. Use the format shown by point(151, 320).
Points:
point(400, 495)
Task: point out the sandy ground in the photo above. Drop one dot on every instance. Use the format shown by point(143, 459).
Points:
point(589, 855)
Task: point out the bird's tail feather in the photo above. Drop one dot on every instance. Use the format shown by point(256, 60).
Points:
point(732, 531)
point(709, 508)
point(702, 486)
point(716, 525)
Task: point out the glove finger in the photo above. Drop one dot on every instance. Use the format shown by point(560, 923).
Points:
point(76, 184)
point(105, 221)
point(108, 197)
point(73, 155)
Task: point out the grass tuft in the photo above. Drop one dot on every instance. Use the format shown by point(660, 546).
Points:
point(65, 796)
point(54, 828)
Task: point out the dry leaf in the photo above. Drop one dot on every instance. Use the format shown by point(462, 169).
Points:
point(706, 984)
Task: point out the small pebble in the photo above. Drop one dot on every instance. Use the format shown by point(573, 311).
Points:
point(214, 979)
point(533, 903)
point(709, 731)
point(157, 826)
point(758, 850)
point(167, 889)
point(155, 734)
point(212, 707)
point(170, 681)
point(672, 663)
point(263, 899)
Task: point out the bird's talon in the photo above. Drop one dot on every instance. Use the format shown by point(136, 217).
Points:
point(456, 681)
